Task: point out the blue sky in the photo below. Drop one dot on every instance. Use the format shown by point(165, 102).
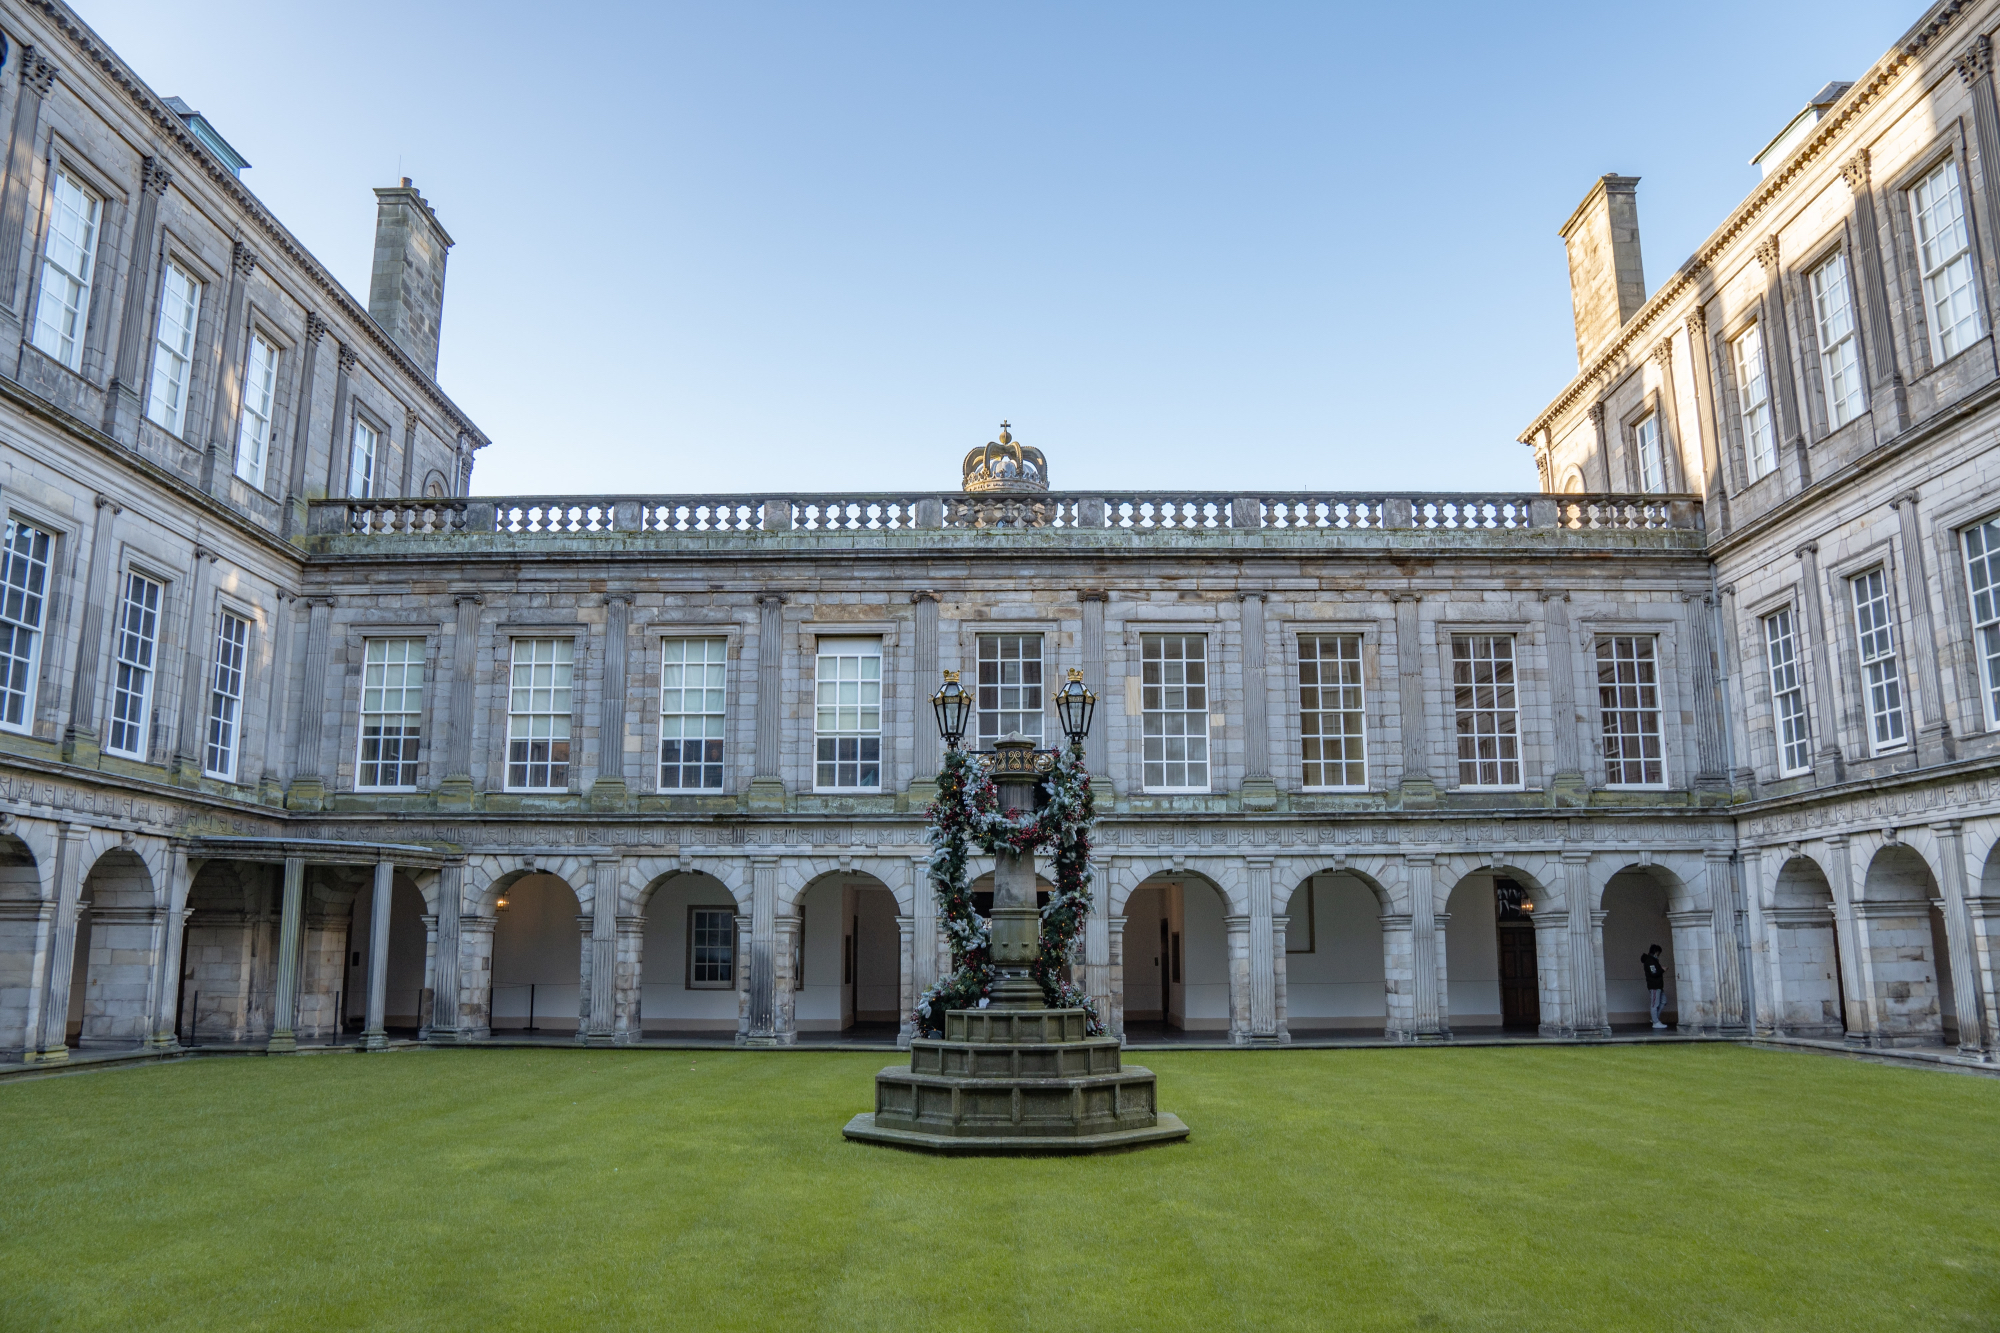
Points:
point(764, 246)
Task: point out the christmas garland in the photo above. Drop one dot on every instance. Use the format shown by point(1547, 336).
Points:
point(966, 814)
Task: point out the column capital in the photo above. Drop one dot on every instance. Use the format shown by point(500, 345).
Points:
point(1664, 353)
point(316, 327)
point(1766, 253)
point(1855, 171)
point(923, 595)
point(1093, 595)
point(349, 359)
point(1806, 549)
point(106, 502)
point(1908, 497)
point(1250, 594)
point(154, 178)
point(1571, 858)
point(38, 72)
point(460, 599)
point(1552, 595)
point(1976, 61)
point(619, 598)
point(1948, 826)
point(243, 259)
point(1697, 321)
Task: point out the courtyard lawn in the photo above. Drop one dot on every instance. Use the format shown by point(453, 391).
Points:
point(1650, 1188)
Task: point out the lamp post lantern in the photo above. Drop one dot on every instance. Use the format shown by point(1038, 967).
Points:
point(951, 704)
point(1075, 705)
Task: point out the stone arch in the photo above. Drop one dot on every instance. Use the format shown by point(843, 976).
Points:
point(1336, 963)
point(1899, 945)
point(435, 487)
point(1179, 973)
point(1805, 976)
point(576, 873)
point(1644, 904)
point(536, 981)
point(1496, 950)
point(22, 907)
point(676, 991)
point(849, 963)
point(1572, 482)
point(651, 874)
point(797, 874)
point(1226, 877)
point(111, 977)
point(229, 974)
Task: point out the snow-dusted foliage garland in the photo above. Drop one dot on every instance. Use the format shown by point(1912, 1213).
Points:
point(967, 814)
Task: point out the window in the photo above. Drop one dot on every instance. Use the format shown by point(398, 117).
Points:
point(392, 713)
point(225, 697)
point(1839, 347)
point(1173, 700)
point(24, 577)
point(1652, 463)
point(1874, 628)
point(1788, 693)
point(538, 715)
point(361, 462)
point(711, 948)
point(1331, 730)
point(847, 688)
point(692, 674)
point(137, 636)
point(260, 387)
point(1753, 393)
point(1010, 686)
point(1628, 705)
point(1489, 740)
point(1944, 253)
point(1982, 560)
point(173, 349)
point(68, 258)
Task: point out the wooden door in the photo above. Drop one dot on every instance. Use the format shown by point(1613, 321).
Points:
point(1520, 995)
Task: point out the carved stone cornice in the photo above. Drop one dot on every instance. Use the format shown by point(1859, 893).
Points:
point(38, 72)
point(154, 178)
point(244, 259)
point(1976, 61)
point(315, 327)
point(1855, 171)
point(1767, 253)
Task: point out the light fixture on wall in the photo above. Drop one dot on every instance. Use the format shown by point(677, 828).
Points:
point(500, 903)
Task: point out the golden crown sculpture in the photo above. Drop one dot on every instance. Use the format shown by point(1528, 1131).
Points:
point(1006, 465)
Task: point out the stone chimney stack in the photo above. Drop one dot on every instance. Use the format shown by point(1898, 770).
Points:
point(1607, 283)
point(406, 289)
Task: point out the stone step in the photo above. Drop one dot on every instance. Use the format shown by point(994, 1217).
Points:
point(983, 1060)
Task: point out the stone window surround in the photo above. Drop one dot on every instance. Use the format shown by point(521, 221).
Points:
point(1055, 667)
point(1531, 725)
point(799, 749)
point(64, 156)
point(257, 672)
point(1949, 142)
point(1948, 548)
point(1651, 404)
point(51, 670)
point(1758, 704)
point(1374, 750)
point(1222, 755)
point(357, 634)
point(1667, 662)
point(1880, 552)
point(499, 653)
point(739, 686)
point(131, 561)
point(1729, 396)
point(359, 412)
point(183, 256)
point(277, 454)
point(1798, 277)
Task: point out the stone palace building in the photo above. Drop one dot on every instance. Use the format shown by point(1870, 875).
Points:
point(302, 742)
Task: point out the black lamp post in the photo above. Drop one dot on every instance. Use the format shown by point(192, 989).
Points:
point(1075, 705)
point(951, 704)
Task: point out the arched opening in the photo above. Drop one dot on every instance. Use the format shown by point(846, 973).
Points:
point(537, 958)
point(20, 887)
point(1573, 483)
point(1334, 972)
point(229, 953)
point(848, 963)
point(1492, 972)
point(114, 952)
point(687, 959)
point(1810, 991)
point(402, 1000)
point(1635, 919)
point(1901, 937)
point(1176, 960)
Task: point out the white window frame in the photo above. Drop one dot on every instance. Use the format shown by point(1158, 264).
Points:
point(62, 302)
point(1018, 680)
point(1630, 720)
point(847, 715)
point(222, 745)
point(1884, 704)
point(1944, 259)
point(173, 349)
point(1753, 402)
point(260, 396)
point(1652, 457)
point(1486, 711)
point(1348, 688)
point(1791, 726)
point(135, 651)
point(1981, 546)
point(694, 711)
point(361, 461)
point(1839, 340)
point(540, 704)
point(392, 673)
point(27, 553)
point(1174, 707)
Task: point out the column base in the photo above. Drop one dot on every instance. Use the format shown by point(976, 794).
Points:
point(375, 1041)
point(919, 794)
point(186, 772)
point(596, 1039)
point(1569, 791)
point(766, 795)
point(270, 792)
point(454, 793)
point(56, 1055)
point(306, 794)
point(1259, 794)
point(163, 1041)
point(281, 1043)
point(609, 795)
point(80, 748)
point(1417, 794)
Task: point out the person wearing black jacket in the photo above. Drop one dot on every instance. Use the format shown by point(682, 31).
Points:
point(1656, 983)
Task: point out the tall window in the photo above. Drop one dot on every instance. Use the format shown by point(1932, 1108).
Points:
point(1173, 695)
point(1753, 394)
point(1875, 630)
point(361, 462)
point(1652, 463)
point(1331, 730)
point(1839, 347)
point(692, 676)
point(1628, 705)
point(1788, 693)
point(260, 388)
point(24, 578)
point(847, 690)
point(138, 635)
point(173, 348)
point(392, 713)
point(1489, 724)
point(711, 948)
point(1982, 562)
point(225, 697)
point(68, 261)
point(1944, 253)
point(1010, 686)
point(538, 715)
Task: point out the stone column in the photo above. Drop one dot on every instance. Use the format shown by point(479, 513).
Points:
point(785, 995)
point(1715, 492)
point(1418, 790)
point(1259, 791)
point(308, 785)
point(1399, 976)
point(1765, 1003)
point(629, 1025)
point(1279, 925)
point(1975, 68)
point(337, 447)
point(122, 407)
point(1242, 1021)
point(284, 1004)
point(50, 1037)
point(270, 790)
point(220, 460)
point(1933, 739)
point(376, 1036)
point(603, 947)
point(609, 791)
point(1603, 436)
point(1778, 348)
point(295, 474)
point(1097, 949)
point(1673, 470)
point(444, 1024)
point(1855, 974)
point(475, 977)
point(38, 75)
point(1695, 1001)
point(166, 988)
point(1262, 959)
point(762, 972)
point(1114, 1014)
point(1742, 778)
point(455, 790)
point(1095, 754)
point(923, 721)
point(188, 736)
point(1721, 880)
point(906, 960)
point(1569, 786)
point(1886, 389)
point(80, 742)
point(1969, 988)
point(1426, 981)
point(1586, 967)
point(924, 939)
point(1828, 765)
point(767, 788)
point(1711, 741)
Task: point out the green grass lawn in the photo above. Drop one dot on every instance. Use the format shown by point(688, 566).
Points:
point(1511, 1188)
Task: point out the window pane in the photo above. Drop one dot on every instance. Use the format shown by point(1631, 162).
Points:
point(1487, 722)
point(848, 690)
point(24, 576)
point(538, 721)
point(1628, 693)
point(1175, 711)
point(1331, 722)
point(691, 714)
